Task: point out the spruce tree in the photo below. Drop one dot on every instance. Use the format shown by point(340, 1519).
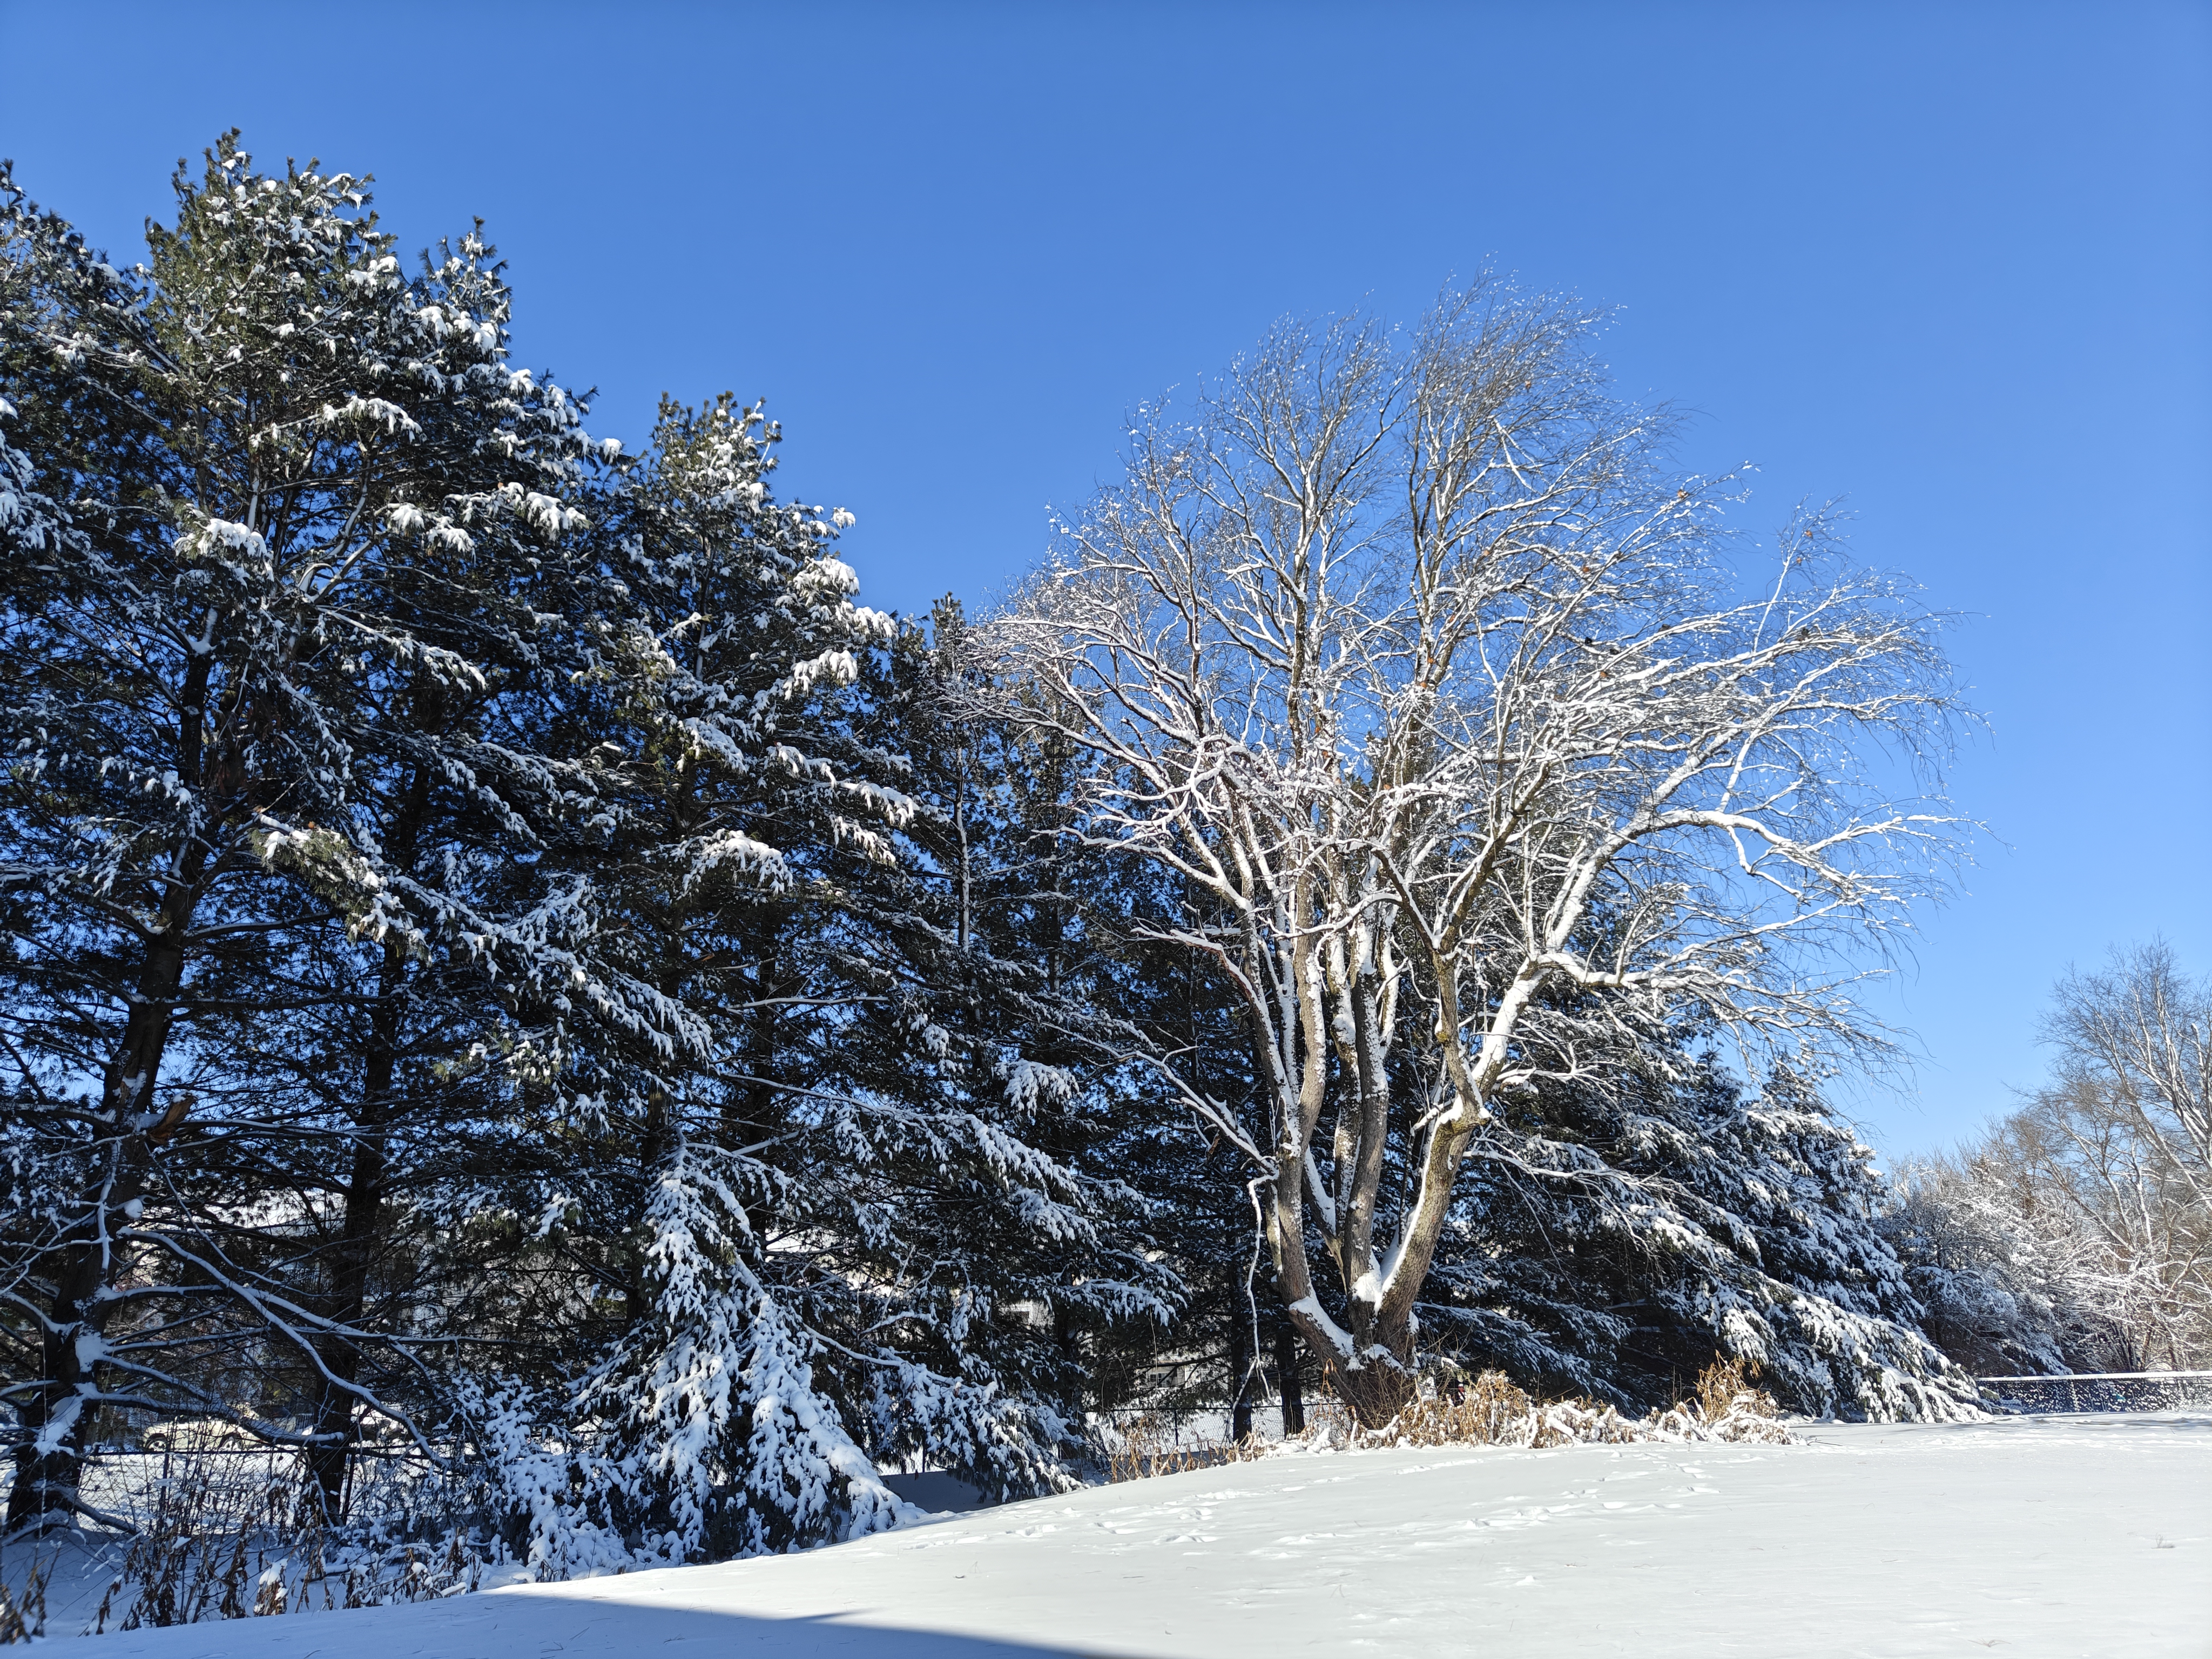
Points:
point(1616, 1239)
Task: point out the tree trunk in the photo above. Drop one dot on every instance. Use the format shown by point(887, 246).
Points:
point(329, 1458)
point(50, 1459)
point(1379, 1385)
point(1288, 1382)
point(1241, 1360)
point(362, 1232)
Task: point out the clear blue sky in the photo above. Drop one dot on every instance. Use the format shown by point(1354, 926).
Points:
point(1954, 263)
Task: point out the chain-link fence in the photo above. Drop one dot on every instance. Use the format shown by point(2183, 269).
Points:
point(2107, 1391)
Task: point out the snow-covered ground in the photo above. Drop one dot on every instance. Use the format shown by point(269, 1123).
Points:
point(2057, 1536)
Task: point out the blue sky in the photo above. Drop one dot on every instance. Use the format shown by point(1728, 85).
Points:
point(1951, 263)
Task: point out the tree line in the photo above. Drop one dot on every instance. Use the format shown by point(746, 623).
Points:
point(2075, 1233)
point(509, 962)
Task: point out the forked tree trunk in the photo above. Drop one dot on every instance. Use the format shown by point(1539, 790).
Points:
point(1369, 1359)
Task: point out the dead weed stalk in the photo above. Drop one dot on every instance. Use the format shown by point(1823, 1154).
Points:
point(1493, 1411)
point(1149, 1445)
point(24, 1619)
point(223, 1534)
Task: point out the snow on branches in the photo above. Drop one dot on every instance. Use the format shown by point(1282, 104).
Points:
point(1413, 658)
point(463, 863)
point(513, 967)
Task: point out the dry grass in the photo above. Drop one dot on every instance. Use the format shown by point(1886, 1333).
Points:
point(1149, 1445)
point(1489, 1411)
point(1728, 1386)
point(1493, 1411)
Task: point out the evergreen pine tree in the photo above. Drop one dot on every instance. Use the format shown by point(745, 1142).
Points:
point(312, 519)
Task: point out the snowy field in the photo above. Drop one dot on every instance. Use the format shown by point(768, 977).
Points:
point(2055, 1536)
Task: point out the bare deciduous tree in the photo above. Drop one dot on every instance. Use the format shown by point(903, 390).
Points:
point(2137, 1040)
point(2008, 1282)
point(2075, 1234)
point(2122, 1137)
point(1413, 659)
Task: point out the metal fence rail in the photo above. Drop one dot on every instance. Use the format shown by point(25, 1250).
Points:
point(2105, 1391)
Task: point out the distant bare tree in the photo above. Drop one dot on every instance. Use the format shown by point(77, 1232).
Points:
point(2134, 1047)
point(1416, 662)
point(2009, 1283)
point(2123, 1137)
point(2076, 1232)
